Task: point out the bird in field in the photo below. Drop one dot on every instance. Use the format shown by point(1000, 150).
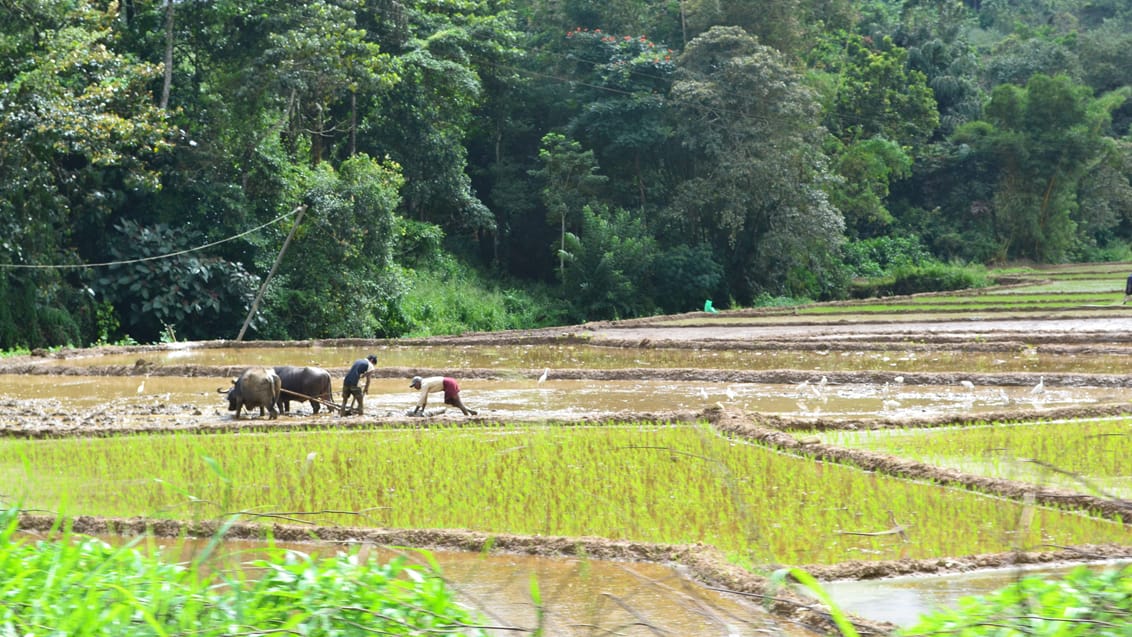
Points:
point(545, 373)
point(899, 380)
point(1040, 387)
point(141, 387)
point(968, 384)
point(731, 395)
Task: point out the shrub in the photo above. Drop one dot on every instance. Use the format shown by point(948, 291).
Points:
point(937, 277)
point(1085, 602)
point(82, 585)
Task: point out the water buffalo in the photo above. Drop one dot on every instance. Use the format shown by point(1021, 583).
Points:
point(308, 381)
point(256, 387)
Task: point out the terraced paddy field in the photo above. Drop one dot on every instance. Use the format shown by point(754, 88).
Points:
point(657, 476)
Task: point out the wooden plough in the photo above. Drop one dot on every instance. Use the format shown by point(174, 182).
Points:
point(335, 406)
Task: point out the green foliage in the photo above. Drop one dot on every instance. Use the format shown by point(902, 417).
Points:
point(927, 276)
point(607, 266)
point(82, 585)
point(1097, 603)
point(338, 277)
point(448, 297)
point(744, 114)
point(867, 167)
point(937, 277)
point(418, 244)
point(156, 281)
point(1042, 138)
point(881, 255)
point(685, 276)
point(875, 94)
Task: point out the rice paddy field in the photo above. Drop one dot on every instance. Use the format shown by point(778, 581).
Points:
point(856, 440)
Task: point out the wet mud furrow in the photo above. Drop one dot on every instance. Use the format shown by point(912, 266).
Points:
point(775, 376)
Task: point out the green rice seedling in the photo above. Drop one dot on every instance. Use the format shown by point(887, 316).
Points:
point(652, 482)
point(1085, 455)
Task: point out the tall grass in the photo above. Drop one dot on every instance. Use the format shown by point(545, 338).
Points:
point(78, 585)
point(446, 299)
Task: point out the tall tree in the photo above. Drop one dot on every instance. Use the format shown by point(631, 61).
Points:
point(338, 278)
point(623, 81)
point(570, 179)
point(756, 188)
point(79, 134)
point(1043, 138)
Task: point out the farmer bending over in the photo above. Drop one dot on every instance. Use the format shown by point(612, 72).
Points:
point(439, 383)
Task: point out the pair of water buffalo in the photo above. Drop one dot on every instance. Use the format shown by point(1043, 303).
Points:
point(273, 389)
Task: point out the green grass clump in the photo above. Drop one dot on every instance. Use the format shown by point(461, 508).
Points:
point(643, 482)
point(78, 585)
point(1084, 603)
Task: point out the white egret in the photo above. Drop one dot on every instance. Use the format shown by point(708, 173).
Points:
point(545, 373)
point(1040, 387)
point(968, 384)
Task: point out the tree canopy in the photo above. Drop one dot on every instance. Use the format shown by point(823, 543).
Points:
point(613, 158)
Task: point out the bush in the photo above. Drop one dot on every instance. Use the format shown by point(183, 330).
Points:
point(451, 298)
point(1085, 602)
point(937, 277)
point(82, 585)
point(879, 256)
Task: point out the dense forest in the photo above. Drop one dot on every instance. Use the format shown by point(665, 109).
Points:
point(168, 166)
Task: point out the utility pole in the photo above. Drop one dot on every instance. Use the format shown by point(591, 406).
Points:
point(263, 286)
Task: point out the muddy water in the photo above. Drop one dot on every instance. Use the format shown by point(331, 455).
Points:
point(892, 358)
point(607, 597)
point(901, 600)
point(176, 397)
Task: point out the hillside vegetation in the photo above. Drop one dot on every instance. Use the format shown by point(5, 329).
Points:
point(337, 168)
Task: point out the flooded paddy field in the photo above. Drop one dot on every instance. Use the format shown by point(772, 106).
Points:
point(877, 376)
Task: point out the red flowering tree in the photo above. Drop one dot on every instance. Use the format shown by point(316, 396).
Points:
point(621, 84)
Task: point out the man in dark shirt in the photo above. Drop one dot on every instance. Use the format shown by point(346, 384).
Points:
point(363, 367)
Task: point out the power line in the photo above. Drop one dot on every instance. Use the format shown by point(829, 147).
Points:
point(14, 266)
